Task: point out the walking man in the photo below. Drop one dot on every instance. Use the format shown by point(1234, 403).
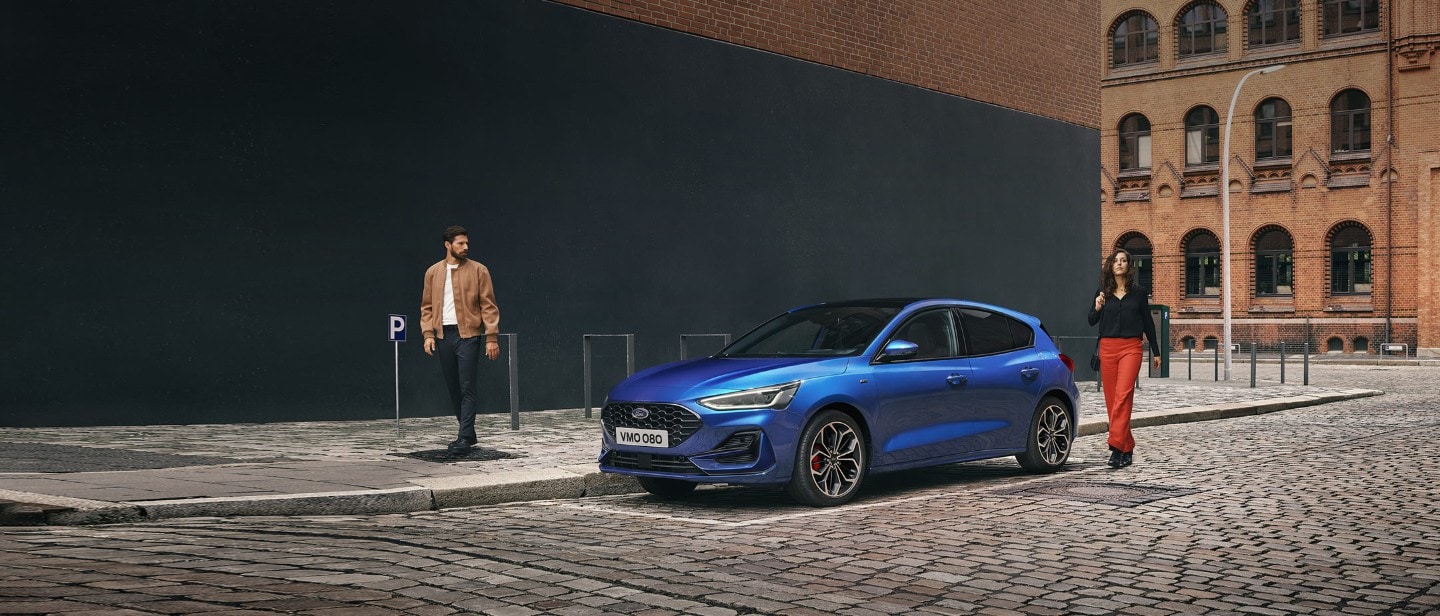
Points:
point(458, 305)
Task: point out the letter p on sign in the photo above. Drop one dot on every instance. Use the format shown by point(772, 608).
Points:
point(397, 328)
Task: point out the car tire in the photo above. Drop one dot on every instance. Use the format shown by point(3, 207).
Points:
point(1048, 443)
point(831, 461)
point(667, 488)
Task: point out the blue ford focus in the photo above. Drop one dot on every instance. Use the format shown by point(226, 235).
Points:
point(821, 396)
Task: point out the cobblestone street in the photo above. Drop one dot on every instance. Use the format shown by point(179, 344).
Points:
point(1318, 510)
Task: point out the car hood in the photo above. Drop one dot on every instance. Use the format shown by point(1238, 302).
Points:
point(715, 375)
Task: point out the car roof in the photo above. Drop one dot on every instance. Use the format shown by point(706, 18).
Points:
point(902, 302)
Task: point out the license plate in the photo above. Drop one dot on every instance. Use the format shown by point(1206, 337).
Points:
point(642, 438)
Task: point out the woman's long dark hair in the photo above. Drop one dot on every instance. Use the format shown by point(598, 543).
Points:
point(1107, 275)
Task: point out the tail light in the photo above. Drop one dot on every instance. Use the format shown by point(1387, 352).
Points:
point(1069, 363)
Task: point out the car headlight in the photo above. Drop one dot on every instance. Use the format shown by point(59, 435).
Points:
point(772, 397)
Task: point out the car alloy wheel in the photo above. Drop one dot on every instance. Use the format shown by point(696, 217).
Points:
point(830, 463)
point(1048, 444)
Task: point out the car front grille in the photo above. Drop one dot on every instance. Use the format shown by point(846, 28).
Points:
point(680, 422)
point(744, 448)
point(640, 461)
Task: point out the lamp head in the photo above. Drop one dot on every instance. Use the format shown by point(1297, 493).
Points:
point(1270, 69)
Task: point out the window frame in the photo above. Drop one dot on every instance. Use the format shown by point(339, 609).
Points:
point(1148, 37)
point(1348, 117)
point(1333, 17)
point(1275, 125)
point(1356, 258)
point(1288, 23)
point(957, 344)
point(1216, 29)
point(1281, 264)
point(1201, 273)
point(1140, 259)
point(1208, 136)
point(1138, 140)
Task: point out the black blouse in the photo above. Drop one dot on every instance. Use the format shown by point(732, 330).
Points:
point(1126, 318)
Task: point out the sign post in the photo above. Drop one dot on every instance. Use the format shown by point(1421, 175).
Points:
point(397, 335)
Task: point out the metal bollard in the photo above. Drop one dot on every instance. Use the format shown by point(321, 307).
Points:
point(685, 342)
point(629, 360)
point(1190, 363)
point(512, 361)
point(1282, 363)
point(1217, 361)
point(1252, 365)
point(1307, 363)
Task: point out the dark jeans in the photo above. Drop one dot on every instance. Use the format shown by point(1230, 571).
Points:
point(459, 360)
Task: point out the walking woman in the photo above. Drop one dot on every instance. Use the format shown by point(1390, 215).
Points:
point(1122, 308)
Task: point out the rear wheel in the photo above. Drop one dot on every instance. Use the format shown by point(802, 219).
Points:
point(830, 461)
point(667, 488)
point(1047, 445)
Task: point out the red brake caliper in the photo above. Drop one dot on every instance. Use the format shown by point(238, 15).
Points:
point(814, 461)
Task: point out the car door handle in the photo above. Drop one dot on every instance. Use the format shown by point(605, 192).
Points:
point(957, 379)
point(1029, 373)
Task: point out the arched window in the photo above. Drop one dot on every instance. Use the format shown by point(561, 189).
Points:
point(1272, 129)
point(1202, 29)
point(1134, 142)
point(1136, 40)
point(1140, 258)
point(1335, 344)
point(1187, 342)
point(1274, 263)
point(1202, 265)
point(1202, 136)
point(1274, 21)
point(1350, 260)
point(1346, 16)
point(1350, 122)
point(1361, 344)
point(1212, 343)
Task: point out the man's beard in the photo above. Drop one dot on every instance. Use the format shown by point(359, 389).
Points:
point(458, 256)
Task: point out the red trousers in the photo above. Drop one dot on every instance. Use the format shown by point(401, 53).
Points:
point(1120, 360)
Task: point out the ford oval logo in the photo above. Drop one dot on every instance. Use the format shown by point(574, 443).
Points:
point(640, 412)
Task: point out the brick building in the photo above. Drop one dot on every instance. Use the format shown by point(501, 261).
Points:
point(1334, 166)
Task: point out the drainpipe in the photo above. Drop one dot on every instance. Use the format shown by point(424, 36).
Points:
point(1389, 166)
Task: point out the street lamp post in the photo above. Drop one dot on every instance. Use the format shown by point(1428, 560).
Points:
point(1225, 205)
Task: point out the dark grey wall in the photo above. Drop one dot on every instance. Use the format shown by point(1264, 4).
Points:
point(210, 207)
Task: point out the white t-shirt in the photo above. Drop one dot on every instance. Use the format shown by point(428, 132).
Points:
point(447, 316)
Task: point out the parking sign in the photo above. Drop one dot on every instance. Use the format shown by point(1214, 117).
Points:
point(397, 328)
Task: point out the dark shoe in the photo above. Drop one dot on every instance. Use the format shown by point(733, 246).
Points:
point(1114, 459)
point(1126, 459)
point(458, 447)
point(470, 440)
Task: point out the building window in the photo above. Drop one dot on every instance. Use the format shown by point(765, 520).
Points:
point(1350, 261)
point(1350, 122)
point(1335, 345)
point(1136, 40)
point(1202, 265)
point(1361, 344)
point(1274, 21)
point(1274, 263)
point(1202, 136)
point(1202, 29)
point(1212, 343)
point(1140, 258)
point(1134, 142)
point(1272, 129)
point(1187, 342)
point(1346, 16)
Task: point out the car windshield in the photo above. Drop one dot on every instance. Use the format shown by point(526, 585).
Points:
point(835, 330)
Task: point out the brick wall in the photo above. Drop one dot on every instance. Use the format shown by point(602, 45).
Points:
point(1317, 68)
point(1029, 55)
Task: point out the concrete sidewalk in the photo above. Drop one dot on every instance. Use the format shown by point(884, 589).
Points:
point(364, 467)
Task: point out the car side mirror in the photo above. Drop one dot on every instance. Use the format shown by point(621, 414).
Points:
point(899, 349)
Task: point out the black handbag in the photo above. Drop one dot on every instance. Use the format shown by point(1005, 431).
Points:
point(1095, 357)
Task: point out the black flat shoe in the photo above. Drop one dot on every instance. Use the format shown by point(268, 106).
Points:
point(1126, 459)
point(1114, 461)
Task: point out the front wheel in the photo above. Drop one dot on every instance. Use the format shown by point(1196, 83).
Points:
point(830, 461)
point(1047, 444)
point(667, 488)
